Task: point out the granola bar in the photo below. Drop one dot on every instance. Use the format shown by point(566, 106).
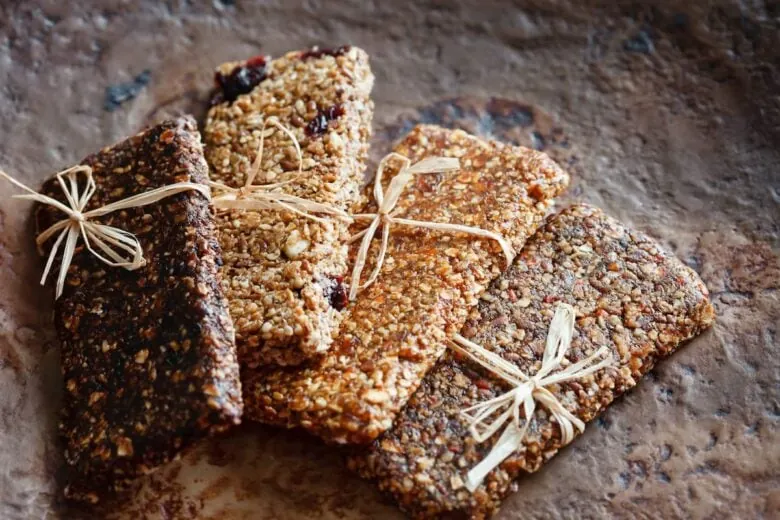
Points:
point(394, 332)
point(148, 356)
point(629, 295)
point(283, 273)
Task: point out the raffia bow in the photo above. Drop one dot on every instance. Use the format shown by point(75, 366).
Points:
point(254, 197)
point(121, 248)
point(386, 205)
point(486, 418)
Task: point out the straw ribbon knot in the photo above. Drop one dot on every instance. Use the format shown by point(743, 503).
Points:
point(504, 411)
point(385, 215)
point(254, 197)
point(121, 248)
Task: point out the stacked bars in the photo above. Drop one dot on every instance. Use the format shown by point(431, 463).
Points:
point(148, 356)
point(394, 332)
point(629, 295)
point(283, 273)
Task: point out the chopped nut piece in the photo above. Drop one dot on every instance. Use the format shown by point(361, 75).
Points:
point(555, 251)
point(376, 396)
point(124, 447)
point(295, 245)
point(141, 356)
point(392, 335)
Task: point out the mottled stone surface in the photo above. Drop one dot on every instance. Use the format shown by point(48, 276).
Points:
point(667, 116)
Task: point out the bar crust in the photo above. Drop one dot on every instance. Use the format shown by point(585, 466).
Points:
point(148, 356)
point(283, 273)
point(629, 295)
point(394, 332)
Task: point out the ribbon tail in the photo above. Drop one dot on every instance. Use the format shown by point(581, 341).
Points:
point(559, 338)
point(566, 420)
point(435, 165)
point(101, 234)
point(506, 247)
point(71, 189)
point(356, 236)
point(360, 261)
point(379, 197)
point(507, 444)
point(489, 360)
point(150, 197)
point(380, 259)
point(492, 427)
point(297, 211)
point(67, 258)
point(50, 231)
point(53, 253)
point(580, 369)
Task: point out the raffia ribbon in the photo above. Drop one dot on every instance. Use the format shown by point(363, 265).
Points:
point(386, 203)
point(121, 248)
point(486, 418)
point(254, 197)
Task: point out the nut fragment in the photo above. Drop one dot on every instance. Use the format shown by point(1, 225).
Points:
point(124, 447)
point(294, 246)
point(376, 396)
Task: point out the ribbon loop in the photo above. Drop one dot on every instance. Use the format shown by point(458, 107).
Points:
point(121, 248)
point(386, 204)
point(487, 417)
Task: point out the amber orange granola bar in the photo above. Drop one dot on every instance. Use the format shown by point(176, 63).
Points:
point(283, 273)
point(393, 333)
point(629, 295)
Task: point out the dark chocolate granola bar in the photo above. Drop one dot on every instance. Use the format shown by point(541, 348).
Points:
point(393, 333)
point(629, 295)
point(148, 356)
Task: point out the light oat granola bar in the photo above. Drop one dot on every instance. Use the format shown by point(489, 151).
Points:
point(629, 295)
point(393, 333)
point(283, 273)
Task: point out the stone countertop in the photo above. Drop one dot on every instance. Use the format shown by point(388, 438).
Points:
point(666, 115)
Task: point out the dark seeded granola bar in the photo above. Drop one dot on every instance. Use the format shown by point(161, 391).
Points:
point(629, 295)
point(283, 273)
point(148, 356)
point(394, 332)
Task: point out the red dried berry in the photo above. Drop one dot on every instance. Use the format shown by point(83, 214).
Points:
point(336, 293)
point(241, 80)
point(319, 125)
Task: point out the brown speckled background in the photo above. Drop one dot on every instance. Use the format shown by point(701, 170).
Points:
point(667, 113)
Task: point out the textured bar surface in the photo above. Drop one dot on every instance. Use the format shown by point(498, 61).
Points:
point(283, 273)
point(148, 356)
point(394, 331)
point(629, 295)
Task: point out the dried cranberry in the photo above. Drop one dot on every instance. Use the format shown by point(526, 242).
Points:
point(334, 112)
point(336, 293)
point(241, 80)
point(316, 52)
point(319, 125)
